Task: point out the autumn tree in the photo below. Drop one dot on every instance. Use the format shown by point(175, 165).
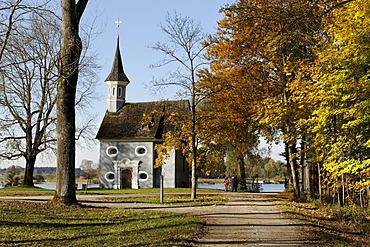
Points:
point(184, 49)
point(259, 48)
point(68, 72)
point(227, 120)
point(340, 94)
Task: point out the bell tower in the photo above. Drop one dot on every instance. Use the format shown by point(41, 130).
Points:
point(117, 82)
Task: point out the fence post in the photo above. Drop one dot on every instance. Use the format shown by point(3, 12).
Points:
point(161, 189)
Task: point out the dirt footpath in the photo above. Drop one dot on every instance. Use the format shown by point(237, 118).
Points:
point(248, 219)
point(252, 220)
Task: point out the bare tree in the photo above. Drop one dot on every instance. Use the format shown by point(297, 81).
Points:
point(8, 17)
point(28, 99)
point(90, 171)
point(183, 48)
point(67, 83)
point(13, 13)
point(28, 96)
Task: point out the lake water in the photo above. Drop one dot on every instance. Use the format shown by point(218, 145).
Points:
point(265, 187)
point(53, 186)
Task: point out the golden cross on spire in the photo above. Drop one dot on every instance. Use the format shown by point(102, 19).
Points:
point(118, 21)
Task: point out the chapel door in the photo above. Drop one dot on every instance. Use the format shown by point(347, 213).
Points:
point(126, 179)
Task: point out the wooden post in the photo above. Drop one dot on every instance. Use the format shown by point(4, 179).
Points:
point(161, 189)
point(87, 184)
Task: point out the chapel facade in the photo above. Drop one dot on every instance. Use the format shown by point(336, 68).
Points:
point(128, 137)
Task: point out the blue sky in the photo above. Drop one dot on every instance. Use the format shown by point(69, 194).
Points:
point(139, 29)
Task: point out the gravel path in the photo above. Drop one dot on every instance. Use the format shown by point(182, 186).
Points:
point(246, 220)
point(252, 220)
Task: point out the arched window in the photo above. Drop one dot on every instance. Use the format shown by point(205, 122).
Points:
point(112, 151)
point(143, 176)
point(113, 91)
point(140, 150)
point(119, 92)
point(109, 176)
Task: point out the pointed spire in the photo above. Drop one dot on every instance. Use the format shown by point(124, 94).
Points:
point(117, 73)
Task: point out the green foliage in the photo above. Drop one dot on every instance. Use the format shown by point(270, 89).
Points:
point(39, 178)
point(14, 174)
point(265, 168)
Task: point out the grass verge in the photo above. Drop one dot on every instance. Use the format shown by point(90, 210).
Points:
point(25, 191)
point(45, 224)
point(334, 225)
point(172, 199)
point(177, 197)
point(32, 191)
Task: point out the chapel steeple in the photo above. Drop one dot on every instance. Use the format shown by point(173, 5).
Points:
point(117, 82)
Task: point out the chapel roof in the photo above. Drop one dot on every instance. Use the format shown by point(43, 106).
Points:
point(145, 120)
point(117, 73)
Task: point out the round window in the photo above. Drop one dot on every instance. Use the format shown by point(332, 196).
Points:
point(112, 151)
point(143, 176)
point(109, 176)
point(140, 150)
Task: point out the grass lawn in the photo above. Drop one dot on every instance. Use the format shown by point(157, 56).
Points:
point(44, 224)
point(177, 196)
point(32, 191)
point(178, 200)
point(24, 191)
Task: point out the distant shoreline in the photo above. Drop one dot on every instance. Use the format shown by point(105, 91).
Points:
point(221, 181)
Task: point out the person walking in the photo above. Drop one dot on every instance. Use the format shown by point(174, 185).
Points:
point(234, 184)
point(226, 183)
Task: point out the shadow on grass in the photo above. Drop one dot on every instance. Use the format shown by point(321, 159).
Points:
point(135, 231)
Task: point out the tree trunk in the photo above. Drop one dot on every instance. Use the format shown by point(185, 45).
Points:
point(319, 175)
point(194, 181)
point(241, 166)
point(194, 143)
point(67, 84)
point(294, 171)
point(305, 168)
point(343, 191)
point(194, 177)
point(28, 174)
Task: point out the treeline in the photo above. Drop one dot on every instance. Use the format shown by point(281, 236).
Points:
point(296, 72)
point(44, 170)
point(14, 175)
point(257, 168)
